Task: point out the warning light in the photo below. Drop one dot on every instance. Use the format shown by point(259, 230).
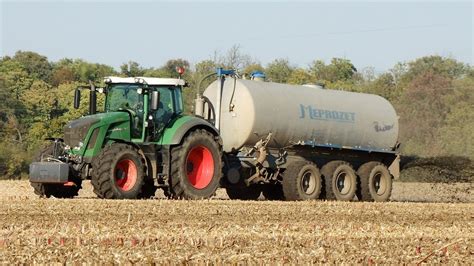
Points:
point(180, 70)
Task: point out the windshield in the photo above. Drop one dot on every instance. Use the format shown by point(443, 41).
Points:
point(124, 97)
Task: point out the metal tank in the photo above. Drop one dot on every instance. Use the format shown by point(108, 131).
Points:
point(309, 115)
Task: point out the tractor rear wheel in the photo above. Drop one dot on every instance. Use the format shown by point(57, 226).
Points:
point(340, 180)
point(119, 172)
point(244, 193)
point(302, 181)
point(196, 166)
point(62, 191)
point(375, 182)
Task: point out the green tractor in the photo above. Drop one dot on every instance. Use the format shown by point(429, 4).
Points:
point(142, 141)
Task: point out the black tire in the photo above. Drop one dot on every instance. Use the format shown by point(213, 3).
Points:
point(119, 172)
point(302, 181)
point(198, 152)
point(60, 191)
point(363, 193)
point(375, 182)
point(273, 192)
point(327, 171)
point(244, 193)
point(340, 181)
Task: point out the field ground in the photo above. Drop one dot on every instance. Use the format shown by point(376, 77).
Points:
point(223, 231)
point(402, 191)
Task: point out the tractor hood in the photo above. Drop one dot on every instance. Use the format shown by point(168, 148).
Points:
point(76, 130)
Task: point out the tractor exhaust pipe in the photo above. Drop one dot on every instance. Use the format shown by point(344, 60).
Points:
point(92, 99)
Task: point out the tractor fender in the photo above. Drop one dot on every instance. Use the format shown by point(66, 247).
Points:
point(191, 123)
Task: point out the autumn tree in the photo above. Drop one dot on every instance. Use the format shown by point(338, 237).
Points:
point(423, 110)
point(457, 134)
point(62, 75)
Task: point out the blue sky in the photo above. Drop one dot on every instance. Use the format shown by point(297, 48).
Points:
point(368, 33)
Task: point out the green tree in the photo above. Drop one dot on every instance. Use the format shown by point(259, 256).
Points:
point(441, 66)
point(205, 67)
point(338, 70)
point(15, 79)
point(36, 65)
point(384, 85)
point(299, 77)
point(131, 69)
point(279, 70)
point(40, 100)
point(85, 71)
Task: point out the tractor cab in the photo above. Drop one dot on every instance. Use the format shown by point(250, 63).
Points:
point(136, 97)
point(151, 104)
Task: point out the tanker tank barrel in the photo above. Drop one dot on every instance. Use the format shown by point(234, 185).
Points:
point(300, 114)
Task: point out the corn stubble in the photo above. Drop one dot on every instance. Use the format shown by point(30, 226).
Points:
point(223, 231)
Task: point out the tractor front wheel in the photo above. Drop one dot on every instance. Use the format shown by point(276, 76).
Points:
point(119, 172)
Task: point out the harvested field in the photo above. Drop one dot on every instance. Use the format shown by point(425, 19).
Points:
point(222, 231)
point(45, 231)
point(402, 191)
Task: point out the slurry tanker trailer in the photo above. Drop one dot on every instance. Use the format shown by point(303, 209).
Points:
point(250, 137)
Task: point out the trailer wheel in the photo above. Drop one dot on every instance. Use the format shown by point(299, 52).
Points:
point(118, 172)
point(273, 192)
point(244, 193)
point(196, 166)
point(340, 181)
point(301, 181)
point(375, 182)
point(62, 191)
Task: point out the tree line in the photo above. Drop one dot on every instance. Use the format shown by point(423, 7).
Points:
point(433, 95)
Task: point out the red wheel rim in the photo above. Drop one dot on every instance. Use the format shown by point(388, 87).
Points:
point(126, 174)
point(200, 167)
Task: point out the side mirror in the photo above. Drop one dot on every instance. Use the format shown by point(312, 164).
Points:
point(155, 100)
point(77, 98)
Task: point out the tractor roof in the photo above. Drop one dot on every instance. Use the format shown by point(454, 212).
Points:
point(147, 80)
